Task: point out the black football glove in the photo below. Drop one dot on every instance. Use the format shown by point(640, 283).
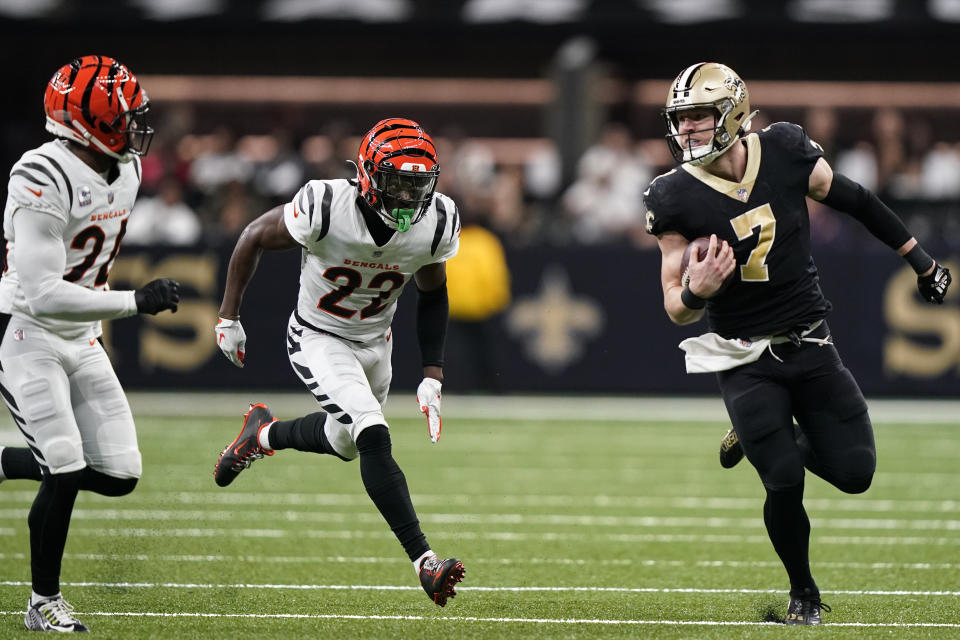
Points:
point(934, 286)
point(158, 295)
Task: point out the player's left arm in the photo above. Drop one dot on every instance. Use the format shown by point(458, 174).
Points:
point(433, 311)
point(843, 194)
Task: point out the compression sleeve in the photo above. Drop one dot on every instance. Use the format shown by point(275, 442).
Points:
point(433, 310)
point(864, 205)
point(40, 259)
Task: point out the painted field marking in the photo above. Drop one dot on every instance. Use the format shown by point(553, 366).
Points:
point(434, 619)
point(370, 587)
point(577, 562)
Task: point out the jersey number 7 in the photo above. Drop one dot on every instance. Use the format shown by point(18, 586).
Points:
point(755, 270)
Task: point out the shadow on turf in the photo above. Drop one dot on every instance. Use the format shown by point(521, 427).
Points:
point(768, 611)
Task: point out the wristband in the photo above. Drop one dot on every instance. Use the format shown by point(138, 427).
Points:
point(228, 317)
point(691, 300)
point(919, 259)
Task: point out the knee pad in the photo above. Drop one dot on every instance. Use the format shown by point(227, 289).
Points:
point(122, 463)
point(855, 485)
point(374, 439)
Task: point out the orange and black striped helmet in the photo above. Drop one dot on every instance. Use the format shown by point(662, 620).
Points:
point(397, 171)
point(96, 101)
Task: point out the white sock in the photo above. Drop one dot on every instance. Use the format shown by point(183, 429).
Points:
point(2, 476)
point(264, 436)
point(36, 598)
point(419, 561)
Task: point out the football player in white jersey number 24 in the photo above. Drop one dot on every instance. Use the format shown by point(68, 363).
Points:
point(362, 242)
point(67, 207)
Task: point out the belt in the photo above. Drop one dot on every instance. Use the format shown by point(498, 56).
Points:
point(803, 333)
point(306, 324)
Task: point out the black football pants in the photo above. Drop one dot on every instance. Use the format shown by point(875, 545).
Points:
point(812, 385)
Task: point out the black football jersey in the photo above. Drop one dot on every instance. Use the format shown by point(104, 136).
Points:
point(764, 218)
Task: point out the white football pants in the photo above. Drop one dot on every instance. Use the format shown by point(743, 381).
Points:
point(349, 380)
point(66, 400)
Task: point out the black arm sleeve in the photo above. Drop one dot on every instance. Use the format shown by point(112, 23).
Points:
point(861, 203)
point(433, 310)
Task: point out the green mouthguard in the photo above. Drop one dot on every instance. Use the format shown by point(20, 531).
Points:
point(402, 216)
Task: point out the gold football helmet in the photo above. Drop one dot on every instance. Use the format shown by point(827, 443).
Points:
point(707, 85)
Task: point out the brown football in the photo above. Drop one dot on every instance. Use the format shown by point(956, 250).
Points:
point(701, 245)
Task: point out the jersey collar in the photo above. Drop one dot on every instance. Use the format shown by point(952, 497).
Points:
point(739, 191)
point(378, 229)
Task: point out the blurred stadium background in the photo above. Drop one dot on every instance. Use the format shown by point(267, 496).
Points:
point(547, 113)
point(571, 521)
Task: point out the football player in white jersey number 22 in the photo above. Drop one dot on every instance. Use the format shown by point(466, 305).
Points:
point(362, 242)
point(67, 207)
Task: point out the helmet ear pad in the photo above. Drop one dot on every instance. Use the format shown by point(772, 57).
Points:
point(369, 193)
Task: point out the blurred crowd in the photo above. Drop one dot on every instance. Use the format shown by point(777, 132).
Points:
point(203, 187)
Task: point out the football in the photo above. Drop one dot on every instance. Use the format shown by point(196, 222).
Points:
point(701, 245)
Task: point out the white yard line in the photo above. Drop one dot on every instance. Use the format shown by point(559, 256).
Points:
point(505, 561)
point(484, 520)
point(433, 620)
point(483, 536)
point(386, 587)
point(531, 589)
point(619, 503)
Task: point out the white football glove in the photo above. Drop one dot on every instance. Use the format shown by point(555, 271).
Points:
point(232, 340)
point(428, 396)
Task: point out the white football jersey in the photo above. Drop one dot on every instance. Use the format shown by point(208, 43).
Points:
point(348, 285)
point(51, 180)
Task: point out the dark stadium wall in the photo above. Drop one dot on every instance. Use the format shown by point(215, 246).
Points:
point(583, 319)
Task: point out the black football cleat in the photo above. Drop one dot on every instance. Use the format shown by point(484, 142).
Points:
point(439, 577)
point(245, 448)
point(805, 609)
point(730, 450)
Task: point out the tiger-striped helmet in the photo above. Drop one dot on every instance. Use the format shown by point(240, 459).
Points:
point(707, 85)
point(397, 171)
point(96, 101)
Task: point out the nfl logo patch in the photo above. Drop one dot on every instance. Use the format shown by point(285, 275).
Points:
point(110, 197)
point(742, 194)
point(377, 253)
point(84, 196)
point(18, 334)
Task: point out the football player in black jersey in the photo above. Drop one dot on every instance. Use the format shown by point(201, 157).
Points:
point(768, 343)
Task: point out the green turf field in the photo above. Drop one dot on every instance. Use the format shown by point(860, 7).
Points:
point(570, 527)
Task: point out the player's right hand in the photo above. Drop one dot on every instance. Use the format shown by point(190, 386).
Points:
point(158, 295)
point(934, 287)
point(232, 340)
point(709, 274)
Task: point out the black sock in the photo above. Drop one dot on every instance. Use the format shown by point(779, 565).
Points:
point(18, 463)
point(789, 531)
point(302, 434)
point(387, 487)
point(49, 522)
